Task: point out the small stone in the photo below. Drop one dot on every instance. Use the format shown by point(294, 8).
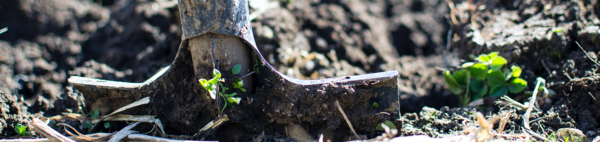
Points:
point(309, 65)
point(571, 133)
point(321, 43)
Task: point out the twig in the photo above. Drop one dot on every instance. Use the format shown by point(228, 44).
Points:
point(592, 96)
point(546, 67)
point(211, 127)
point(337, 103)
point(248, 74)
point(586, 54)
point(503, 121)
point(40, 127)
point(123, 133)
point(383, 113)
point(538, 119)
point(79, 135)
point(528, 111)
point(515, 103)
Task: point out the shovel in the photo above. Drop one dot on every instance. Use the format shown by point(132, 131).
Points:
point(217, 35)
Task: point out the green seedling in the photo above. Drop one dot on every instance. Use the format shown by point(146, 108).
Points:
point(236, 69)
point(551, 137)
point(95, 113)
point(557, 30)
point(375, 105)
point(213, 85)
point(88, 125)
point(238, 84)
point(474, 80)
point(387, 123)
point(256, 67)
point(21, 130)
point(106, 125)
point(229, 98)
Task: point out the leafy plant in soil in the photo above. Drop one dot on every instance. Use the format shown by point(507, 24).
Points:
point(94, 114)
point(21, 130)
point(213, 85)
point(485, 76)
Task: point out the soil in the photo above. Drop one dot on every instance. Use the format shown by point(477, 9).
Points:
point(123, 40)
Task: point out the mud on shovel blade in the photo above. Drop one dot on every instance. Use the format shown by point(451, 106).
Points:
point(217, 34)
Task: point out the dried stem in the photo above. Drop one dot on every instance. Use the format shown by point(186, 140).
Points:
point(337, 103)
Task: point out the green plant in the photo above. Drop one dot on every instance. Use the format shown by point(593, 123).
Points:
point(375, 105)
point(388, 123)
point(256, 67)
point(21, 130)
point(557, 30)
point(95, 113)
point(551, 137)
point(473, 80)
point(106, 125)
point(213, 85)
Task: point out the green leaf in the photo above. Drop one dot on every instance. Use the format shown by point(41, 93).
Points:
point(256, 67)
point(516, 71)
point(461, 77)
point(497, 62)
point(498, 90)
point(21, 129)
point(467, 64)
point(375, 105)
point(495, 78)
point(88, 125)
point(213, 81)
point(388, 123)
point(481, 93)
point(229, 95)
point(236, 69)
point(216, 77)
point(484, 58)
point(106, 125)
point(216, 74)
point(238, 83)
point(232, 100)
point(478, 71)
point(95, 114)
point(452, 84)
point(557, 30)
point(477, 85)
point(507, 74)
point(517, 85)
point(204, 83)
point(243, 90)
point(213, 93)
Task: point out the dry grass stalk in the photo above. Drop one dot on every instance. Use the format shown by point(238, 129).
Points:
point(41, 128)
point(503, 121)
point(337, 103)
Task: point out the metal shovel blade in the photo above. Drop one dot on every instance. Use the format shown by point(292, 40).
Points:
point(217, 35)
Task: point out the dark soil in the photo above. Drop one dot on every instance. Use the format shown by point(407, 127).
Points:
point(124, 40)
